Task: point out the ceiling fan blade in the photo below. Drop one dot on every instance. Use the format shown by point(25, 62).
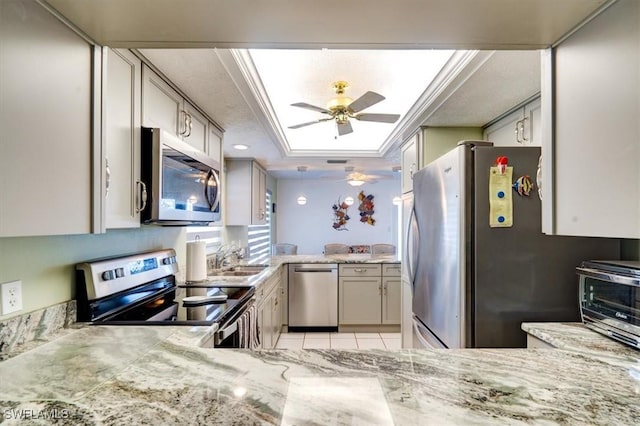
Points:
point(380, 118)
point(365, 101)
point(312, 107)
point(297, 126)
point(344, 129)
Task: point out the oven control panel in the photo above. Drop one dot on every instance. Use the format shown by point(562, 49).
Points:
point(108, 276)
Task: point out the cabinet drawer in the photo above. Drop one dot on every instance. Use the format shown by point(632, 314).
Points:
point(391, 270)
point(360, 270)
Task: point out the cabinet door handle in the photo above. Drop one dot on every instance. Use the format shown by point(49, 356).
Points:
point(518, 132)
point(182, 125)
point(380, 290)
point(524, 135)
point(143, 196)
point(188, 124)
point(411, 170)
point(385, 289)
point(107, 173)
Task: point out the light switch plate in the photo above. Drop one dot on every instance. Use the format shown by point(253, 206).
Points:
point(11, 297)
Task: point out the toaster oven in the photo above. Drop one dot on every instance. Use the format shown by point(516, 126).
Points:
point(610, 299)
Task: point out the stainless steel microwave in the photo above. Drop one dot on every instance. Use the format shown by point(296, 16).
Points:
point(610, 299)
point(183, 183)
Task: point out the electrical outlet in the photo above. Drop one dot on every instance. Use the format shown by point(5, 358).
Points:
point(11, 297)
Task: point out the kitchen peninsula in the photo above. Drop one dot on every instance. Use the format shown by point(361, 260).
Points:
point(157, 375)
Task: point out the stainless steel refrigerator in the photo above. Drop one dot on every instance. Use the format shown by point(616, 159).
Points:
point(472, 284)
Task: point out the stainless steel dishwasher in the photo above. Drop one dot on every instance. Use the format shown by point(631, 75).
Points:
point(313, 297)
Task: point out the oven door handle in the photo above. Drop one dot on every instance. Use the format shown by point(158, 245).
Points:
point(226, 332)
point(229, 329)
point(615, 278)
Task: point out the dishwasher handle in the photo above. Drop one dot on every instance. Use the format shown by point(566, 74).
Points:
point(314, 270)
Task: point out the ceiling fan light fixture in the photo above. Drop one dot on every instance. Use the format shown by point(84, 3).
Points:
point(355, 182)
point(339, 103)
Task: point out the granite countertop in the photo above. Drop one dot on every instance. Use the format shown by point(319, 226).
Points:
point(156, 375)
point(277, 261)
point(337, 258)
point(576, 337)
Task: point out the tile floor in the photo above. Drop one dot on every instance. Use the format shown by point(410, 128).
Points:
point(339, 341)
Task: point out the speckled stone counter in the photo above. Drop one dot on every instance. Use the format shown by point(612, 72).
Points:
point(336, 258)
point(578, 338)
point(155, 375)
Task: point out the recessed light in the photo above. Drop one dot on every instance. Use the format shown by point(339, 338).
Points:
point(240, 147)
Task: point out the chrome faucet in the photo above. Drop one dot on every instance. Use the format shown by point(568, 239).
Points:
point(227, 255)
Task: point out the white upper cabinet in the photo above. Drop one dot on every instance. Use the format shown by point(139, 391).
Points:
point(591, 153)
point(121, 133)
point(410, 162)
point(246, 191)
point(214, 143)
point(196, 127)
point(164, 107)
point(161, 105)
point(46, 145)
point(519, 128)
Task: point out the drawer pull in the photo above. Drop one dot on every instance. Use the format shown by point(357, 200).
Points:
point(359, 270)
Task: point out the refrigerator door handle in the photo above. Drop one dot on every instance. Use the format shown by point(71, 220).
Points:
point(411, 238)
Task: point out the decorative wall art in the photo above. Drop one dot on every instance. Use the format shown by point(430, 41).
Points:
point(366, 208)
point(340, 216)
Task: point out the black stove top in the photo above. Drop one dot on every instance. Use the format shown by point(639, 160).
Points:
point(141, 289)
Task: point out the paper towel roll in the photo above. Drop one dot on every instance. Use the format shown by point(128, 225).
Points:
point(196, 261)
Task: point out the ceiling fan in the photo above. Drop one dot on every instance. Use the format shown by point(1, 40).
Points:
point(342, 108)
point(355, 178)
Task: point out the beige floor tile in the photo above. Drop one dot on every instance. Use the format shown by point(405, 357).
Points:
point(292, 336)
point(289, 343)
point(390, 335)
point(344, 344)
point(371, 344)
point(392, 343)
point(367, 335)
point(342, 336)
point(316, 344)
point(316, 335)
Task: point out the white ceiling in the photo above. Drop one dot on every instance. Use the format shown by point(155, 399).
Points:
point(243, 95)
point(290, 76)
point(491, 83)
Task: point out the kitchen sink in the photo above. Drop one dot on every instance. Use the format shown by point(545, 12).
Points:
point(240, 271)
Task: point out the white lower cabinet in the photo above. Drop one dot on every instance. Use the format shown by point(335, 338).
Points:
point(269, 307)
point(360, 300)
point(369, 294)
point(391, 290)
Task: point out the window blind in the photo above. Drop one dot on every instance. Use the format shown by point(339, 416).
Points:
point(259, 237)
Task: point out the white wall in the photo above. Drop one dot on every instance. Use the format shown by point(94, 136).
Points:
point(309, 226)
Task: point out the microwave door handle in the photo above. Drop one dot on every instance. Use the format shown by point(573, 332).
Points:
point(216, 200)
point(603, 276)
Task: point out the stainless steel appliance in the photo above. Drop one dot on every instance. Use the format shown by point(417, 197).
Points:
point(141, 289)
point(610, 299)
point(184, 183)
point(473, 285)
point(313, 297)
